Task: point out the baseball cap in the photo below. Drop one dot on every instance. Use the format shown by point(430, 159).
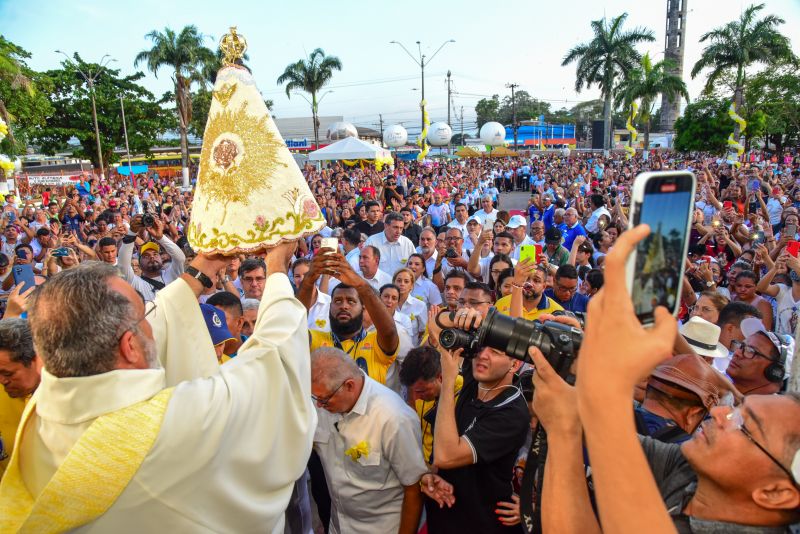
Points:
point(216, 323)
point(516, 221)
point(475, 218)
point(753, 325)
point(150, 245)
point(688, 376)
point(112, 203)
point(553, 236)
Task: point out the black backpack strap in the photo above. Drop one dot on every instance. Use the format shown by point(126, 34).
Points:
point(155, 284)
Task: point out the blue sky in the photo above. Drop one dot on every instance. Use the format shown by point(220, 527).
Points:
point(496, 43)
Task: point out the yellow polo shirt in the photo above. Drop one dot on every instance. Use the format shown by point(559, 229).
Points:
point(546, 305)
point(367, 353)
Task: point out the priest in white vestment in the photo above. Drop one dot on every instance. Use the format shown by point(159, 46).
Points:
point(226, 449)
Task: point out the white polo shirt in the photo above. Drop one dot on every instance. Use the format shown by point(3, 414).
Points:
point(319, 314)
point(367, 493)
point(426, 292)
point(417, 312)
point(393, 255)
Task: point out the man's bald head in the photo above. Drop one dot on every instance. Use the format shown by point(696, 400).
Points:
point(336, 380)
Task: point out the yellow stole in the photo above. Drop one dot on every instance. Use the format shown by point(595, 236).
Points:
point(93, 475)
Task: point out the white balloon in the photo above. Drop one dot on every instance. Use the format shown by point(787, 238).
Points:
point(493, 134)
point(18, 165)
point(565, 152)
point(395, 136)
point(439, 134)
point(340, 130)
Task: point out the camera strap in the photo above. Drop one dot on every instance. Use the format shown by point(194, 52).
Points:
point(530, 497)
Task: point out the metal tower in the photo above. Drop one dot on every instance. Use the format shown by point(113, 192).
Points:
point(673, 49)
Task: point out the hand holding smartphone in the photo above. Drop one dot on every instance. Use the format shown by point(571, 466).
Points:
point(331, 243)
point(663, 201)
point(528, 252)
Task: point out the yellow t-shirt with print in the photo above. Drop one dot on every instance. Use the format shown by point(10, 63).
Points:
point(367, 353)
point(423, 407)
point(546, 305)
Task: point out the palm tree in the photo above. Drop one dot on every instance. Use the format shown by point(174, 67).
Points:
point(603, 60)
point(739, 44)
point(189, 60)
point(311, 76)
point(646, 82)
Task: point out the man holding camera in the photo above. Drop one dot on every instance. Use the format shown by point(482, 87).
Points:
point(477, 437)
point(154, 277)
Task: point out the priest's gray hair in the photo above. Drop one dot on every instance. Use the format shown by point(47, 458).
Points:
point(77, 320)
point(331, 366)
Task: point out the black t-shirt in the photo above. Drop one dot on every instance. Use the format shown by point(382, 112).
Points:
point(365, 228)
point(412, 233)
point(496, 429)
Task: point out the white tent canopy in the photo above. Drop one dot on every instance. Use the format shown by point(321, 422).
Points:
point(349, 148)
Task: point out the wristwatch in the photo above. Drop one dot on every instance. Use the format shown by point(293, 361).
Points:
point(709, 283)
point(200, 277)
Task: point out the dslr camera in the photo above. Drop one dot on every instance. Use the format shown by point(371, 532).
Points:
point(148, 220)
point(558, 342)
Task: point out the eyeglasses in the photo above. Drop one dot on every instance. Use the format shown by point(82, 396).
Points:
point(735, 416)
point(566, 289)
point(253, 280)
point(473, 303)
point(748, 351)
point(323, 401)
point(149, 307)
point(451, 238)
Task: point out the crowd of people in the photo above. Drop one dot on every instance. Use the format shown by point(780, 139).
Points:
point(687, 425)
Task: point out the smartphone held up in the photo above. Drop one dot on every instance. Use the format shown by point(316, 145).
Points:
point(663, 201)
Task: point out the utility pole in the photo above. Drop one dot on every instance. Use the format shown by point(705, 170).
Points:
point(449, 144)
point(380, 120)
point(513, 86)
point(462, 126)
point(421, 63)
point(127, 148)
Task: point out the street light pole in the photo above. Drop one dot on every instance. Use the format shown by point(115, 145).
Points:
point(513, 86)
point(421, 63)
point(90, 79)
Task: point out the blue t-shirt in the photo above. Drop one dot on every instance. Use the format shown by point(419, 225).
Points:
point(570, 234)
point(547, 216)
point(577, 303)
point(534, 214)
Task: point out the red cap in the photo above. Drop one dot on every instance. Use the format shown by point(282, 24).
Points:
point(595, 184)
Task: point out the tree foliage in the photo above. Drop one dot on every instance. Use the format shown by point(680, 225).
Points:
point(776, 94)
point(23, 102)
point(704, 126)
point(607, 59)
point(741, 43)
point(645, 83)
point(71, 116)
